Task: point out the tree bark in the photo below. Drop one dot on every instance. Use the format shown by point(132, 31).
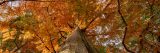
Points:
point(77, 43)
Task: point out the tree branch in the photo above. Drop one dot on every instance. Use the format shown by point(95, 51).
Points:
point(3, 2)
point(22, 46)
point(146, 29)
point(125, 32)
point(108, 3)
point(15, 41)
point(41, 39)
point(119, 11)
point(51, 41)
point(24, 0)
point(151, 6)
point(17, 36)
point(89, 24)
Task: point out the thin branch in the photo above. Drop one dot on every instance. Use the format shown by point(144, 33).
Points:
point(108, 3)
point(48, 30)
point(153, 43)
point(59, 31)
point(25, 0)
point(146, 29)
point(22, 45)
point(49, 33)
point(125, 32)
point(142, 38)
point(119, 11)
point(90, 23)
point(62, 35)
point(40, 1)
point(3, 2)
point(41, 39)
point(148, 23)
point(151, 6)
point(70, 26)
point(51, 41)
point(15, 41)
point(61, 38)
point(15, 50)
point(17, 36)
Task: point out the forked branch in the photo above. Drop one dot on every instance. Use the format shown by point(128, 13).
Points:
point(41, 39)
point(51, 41)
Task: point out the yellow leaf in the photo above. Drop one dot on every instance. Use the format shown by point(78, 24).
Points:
point(108, 50)
point(56, 47)
point(97, 7)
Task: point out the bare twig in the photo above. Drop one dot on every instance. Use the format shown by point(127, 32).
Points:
point(41, 39)
point(107, 4)
point(51, 41)
point(40, 0)
point(22, 45)
point(148, 23)
point(151, 6)
point(119, 11)
point(142, 38)
point(70, 26)
point(15, 50)
point(62, 35)
point(15, 41)
point(49, 33)
point(3, 2)
point(25, 0)
point(89, 23)
point(17, 36)
point(125, 32)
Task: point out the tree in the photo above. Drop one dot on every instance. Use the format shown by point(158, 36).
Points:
point(107, 25)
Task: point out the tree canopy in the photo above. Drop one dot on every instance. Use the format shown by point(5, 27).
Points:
point(103, 26)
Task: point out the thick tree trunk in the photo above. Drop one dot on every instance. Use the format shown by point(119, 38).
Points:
point(77, 43)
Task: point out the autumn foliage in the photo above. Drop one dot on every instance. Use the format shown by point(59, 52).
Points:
point(45, 26)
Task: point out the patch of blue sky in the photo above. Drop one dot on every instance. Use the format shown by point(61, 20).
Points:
point(2, 19)
point(14, 4)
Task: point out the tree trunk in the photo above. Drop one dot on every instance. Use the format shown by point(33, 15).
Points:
point(77, 43)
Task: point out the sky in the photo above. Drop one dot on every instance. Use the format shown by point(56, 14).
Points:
point(4, 11)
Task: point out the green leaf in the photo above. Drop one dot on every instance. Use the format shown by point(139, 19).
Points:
point(133, 41)
point(145, 17)
point(102, 50)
